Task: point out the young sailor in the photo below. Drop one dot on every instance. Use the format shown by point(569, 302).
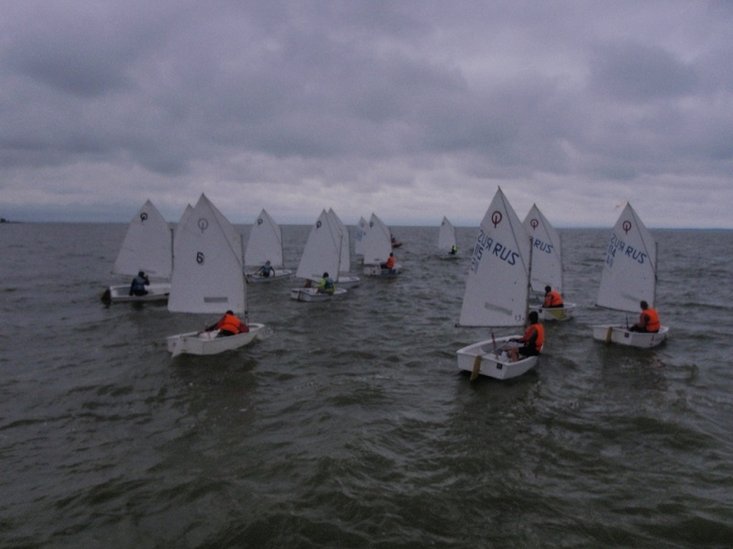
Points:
point(552, 298)
point(648, 320)
point(532, 340)
point(228, 325)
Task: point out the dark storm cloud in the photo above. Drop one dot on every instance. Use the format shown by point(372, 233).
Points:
point(637, 73)
point(312, 101)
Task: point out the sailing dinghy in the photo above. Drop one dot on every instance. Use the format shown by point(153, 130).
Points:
point(377, 247)
point(497, 292)
point(147, 247)
point(207, 279)
point(629, 277)
point(265, 244)
point(447, 240)
point(322, 253)
point(546, 263)
point(361, 230)
point(345, 280)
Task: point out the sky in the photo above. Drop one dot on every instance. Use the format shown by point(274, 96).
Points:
point(413, 110)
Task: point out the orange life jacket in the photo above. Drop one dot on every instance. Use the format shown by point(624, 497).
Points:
point(652, 323)
point(232, 324)
point(390, 262)
point(540, 335)
point(553, 299)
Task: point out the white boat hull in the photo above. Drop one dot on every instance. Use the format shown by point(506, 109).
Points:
point(376, 270)
point(157, 291)
point(552, 314)
point(348, 281)
point(493, 364)
point(312, 294)
point(280, 274)
point(623, 336)
point(206, 343)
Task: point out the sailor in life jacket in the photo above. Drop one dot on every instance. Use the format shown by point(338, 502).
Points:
point(552, 298)
point(266, 270)
point(228, 325)
point(326, 285)
point(137, 286)
point(648, 320)
point(532, 340)
point(390, 263)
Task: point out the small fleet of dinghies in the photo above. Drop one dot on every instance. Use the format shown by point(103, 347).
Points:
point(202, 268)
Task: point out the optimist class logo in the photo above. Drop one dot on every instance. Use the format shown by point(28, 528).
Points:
point(496, 218)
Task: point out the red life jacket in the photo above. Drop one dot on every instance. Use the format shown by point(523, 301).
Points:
point(540, 335)
point(553, 299)
point(232, 324)
point(652, 320)
point(390, 262)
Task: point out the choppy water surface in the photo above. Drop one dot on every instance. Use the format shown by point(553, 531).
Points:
point(350, 426)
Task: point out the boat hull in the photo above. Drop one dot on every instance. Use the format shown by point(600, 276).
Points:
point(376, 270)
point(493, 364)
point(348, 281)
point(556, 314)
point(157, 291)
point(312, 294)
point(206, 343)
point(621, 335)
point(280, 274)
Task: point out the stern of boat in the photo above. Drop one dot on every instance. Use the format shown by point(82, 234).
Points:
point(496, 364)
point(621, 335)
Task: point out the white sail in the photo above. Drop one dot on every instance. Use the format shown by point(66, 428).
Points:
point(361, 229)
point(546, 251)
point(147, 245)
point(629, 272)
point(181, 222)
point(446, 236)
point(265, 242)
point(345, 255)
point(207, 271)
point(377, 245)
point(497, 284)
point(322, 250)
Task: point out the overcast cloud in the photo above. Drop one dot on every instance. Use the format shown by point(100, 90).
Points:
point(409, 109)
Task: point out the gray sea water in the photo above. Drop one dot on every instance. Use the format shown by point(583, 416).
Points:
point(350, 425)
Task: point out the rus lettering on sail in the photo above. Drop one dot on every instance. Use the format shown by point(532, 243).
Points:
point(614, 245)
point(486, 244)
point(635, 254)
point(483, 242)
point(542, 246)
